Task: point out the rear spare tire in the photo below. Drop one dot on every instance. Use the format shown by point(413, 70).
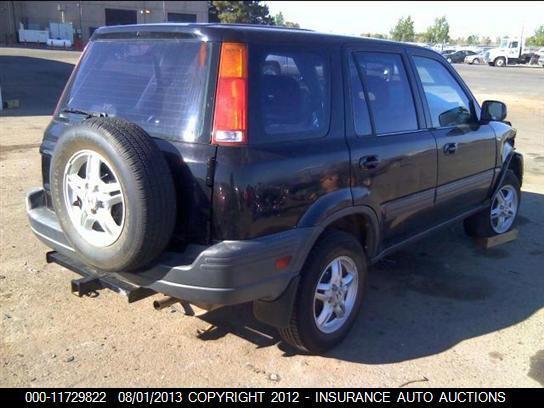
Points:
point(113, 193)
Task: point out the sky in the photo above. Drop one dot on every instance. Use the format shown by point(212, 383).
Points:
point(486, 19)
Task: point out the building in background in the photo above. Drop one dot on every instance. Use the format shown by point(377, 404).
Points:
point(86, 16)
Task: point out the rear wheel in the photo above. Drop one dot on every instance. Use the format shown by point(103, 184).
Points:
point(501, 215)
point(329, 295)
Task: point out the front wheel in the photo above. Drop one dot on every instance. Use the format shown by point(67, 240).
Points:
point(329, 295)
point(476, 61)
point(501, 215)
point(500, 62)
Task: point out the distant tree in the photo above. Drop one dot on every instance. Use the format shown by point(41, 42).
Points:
point(251, 12)
point(420, 37)
point(472, 39)
point(485, 41)
point(279, 20)
point(375, 35)
point(404, 30)
point(439, 32)
point(212, 13)
point(538, 38)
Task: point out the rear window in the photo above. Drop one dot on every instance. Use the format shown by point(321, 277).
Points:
point(293, 94)
point(158, 84)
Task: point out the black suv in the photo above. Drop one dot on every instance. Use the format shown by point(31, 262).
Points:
point(221, 164)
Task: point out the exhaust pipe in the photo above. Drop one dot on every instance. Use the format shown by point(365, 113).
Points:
point(188, 308)
point(164, 302)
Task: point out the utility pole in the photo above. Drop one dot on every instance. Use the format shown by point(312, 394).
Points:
point(164, 12)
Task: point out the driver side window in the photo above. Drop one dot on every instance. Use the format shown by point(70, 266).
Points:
point(448, 103)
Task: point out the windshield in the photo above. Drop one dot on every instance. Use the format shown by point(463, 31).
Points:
point(159, 85)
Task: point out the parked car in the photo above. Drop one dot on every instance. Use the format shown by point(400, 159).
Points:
point(222, 164)
point(476, 58)
point(541, 61)
point(458, 56)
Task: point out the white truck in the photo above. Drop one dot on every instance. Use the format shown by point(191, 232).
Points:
point(512, 50)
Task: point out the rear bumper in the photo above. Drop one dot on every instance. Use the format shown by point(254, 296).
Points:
point(228, 272)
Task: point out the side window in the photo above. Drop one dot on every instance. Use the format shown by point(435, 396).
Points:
point(293, 93)
point(514, 44)
point(448, 103)
point(389, 93)
point(361, 118)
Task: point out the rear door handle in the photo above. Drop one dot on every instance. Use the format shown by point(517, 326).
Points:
point(450, 148)
point(369, 162)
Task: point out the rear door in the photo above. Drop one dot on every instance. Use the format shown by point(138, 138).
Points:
point(466, 149)
point(393, 156)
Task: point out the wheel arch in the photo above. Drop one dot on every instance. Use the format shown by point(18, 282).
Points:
point(514, 162)
point(360, 221)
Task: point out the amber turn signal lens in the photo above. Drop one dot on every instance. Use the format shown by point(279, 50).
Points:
point(230, 116)
point(282, 263)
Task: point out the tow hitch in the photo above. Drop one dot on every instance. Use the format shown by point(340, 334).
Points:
point(93, 280)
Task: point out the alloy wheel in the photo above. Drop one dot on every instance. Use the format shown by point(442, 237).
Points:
point(335, 294)
point(94, 198)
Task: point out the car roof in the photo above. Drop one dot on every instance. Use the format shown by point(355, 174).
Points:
point(243, 33)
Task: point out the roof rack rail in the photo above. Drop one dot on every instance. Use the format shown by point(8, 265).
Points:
point(258, 26)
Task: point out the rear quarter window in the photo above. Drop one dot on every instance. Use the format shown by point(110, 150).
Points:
point(291, 93)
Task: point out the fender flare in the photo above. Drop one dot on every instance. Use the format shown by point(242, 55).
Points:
point(512, 156)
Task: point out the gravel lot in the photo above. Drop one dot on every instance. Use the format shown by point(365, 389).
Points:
point(440, 313)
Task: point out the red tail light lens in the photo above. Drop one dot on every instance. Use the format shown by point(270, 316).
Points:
point(230, 116)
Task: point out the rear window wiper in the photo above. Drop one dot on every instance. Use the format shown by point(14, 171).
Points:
point(89, 114)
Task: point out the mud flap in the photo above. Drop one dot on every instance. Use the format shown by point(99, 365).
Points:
point(277, 313)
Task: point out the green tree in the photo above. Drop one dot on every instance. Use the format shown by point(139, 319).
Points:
point(538, 38)
point(279, 20)
point(404, 30)
point(212, 13)
point(249, 12)
point(439, 32)
point(486, 41)
point(472, 39)
point(420, 37)
point(374, 35)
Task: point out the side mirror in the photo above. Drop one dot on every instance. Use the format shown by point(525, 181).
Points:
point(493, 111)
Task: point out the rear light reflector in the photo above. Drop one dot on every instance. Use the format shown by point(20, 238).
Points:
point(230, 116)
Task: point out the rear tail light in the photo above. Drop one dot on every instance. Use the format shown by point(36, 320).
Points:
point(230, 116)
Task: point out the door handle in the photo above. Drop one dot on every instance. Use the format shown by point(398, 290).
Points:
point(369, 162)
point(450, 148)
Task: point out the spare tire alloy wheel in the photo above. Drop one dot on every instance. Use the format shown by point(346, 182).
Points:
point(113, 194)
point(94, 198)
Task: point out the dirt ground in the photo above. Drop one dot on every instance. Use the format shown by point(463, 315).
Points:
point(440, 313)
